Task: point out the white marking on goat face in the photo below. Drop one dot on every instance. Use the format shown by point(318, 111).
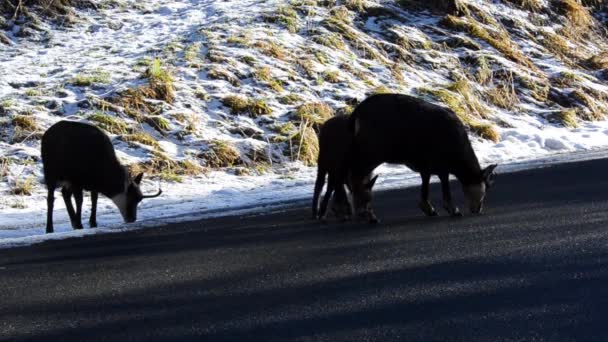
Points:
point(475, 194)
point(357, 126)
point(121, 203)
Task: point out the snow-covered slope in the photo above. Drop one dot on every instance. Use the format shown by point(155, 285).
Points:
point(219, 100)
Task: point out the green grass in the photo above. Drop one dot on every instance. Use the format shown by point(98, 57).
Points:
point(88, 79)
point(271, 49)
point(332, 76)
point(249, 60)
point(142, 138)
point(331, 40)
point(218, 73)
point(191, 53)
point(159, 123)
point(33, 92)
point(286, 16)
point(265, 75)
point(110, 124)
point(290, 98)
point(238, 40)
point(157, 73)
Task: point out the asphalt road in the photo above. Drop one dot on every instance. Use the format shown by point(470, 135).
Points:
point(533, 268)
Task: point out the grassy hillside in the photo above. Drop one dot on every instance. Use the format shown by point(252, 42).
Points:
point(245, 87)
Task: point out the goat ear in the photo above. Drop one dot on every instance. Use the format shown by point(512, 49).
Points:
point(489, 175)
point(138, 178)
point(372, 182)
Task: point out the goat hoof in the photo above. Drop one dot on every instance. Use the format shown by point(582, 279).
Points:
point(431, 213)
point(345, 218)
point(373, 219)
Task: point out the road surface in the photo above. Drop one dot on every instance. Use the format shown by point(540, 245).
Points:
point(534, 267)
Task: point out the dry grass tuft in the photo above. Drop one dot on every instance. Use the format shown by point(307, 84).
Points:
point(557, 44)
point(290, 98)
point(142, 138)
point(265, 75)
point(160, 87)
point(219, 73)
point(23, 187)
point(381, 90)
point(566, 117)
point(503, 95)
point(471, 98)
point(159, 123)
point(599, 61)
point(244, 105)
point(314, 113)
point(332, 76)
point(161, 82)
point(339, 22)
point(304, 144)
point(578, 14)
point(485, 131)
point(286, 16)
point(484, 72)
point(88, 79)
point(356, 5)
point(59, 10)
point(466, 110)
point(25, 123)
point(594, 112)
point(108, 123)
point(331, 40)
point(498, 39)
point(166, 168)
point(222, 153)
point(272, 49)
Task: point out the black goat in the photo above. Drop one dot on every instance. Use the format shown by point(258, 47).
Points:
point(335, 147)
point(78, 156)
point(429, 139)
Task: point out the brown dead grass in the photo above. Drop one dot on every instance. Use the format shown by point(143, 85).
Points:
point(160, 87)
point(162, 166)
point(497, 38)
point(314, 113)
point(51, 9)
point(222, 153)
point(599, 61)
point(576, 13)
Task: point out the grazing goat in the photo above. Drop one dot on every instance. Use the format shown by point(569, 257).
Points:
point(78, 156)
point(427, 138)
point(335, 144)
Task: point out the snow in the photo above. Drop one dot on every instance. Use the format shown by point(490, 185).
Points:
point(115, 39)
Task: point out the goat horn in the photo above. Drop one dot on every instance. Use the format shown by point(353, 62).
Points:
point(160, 191)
